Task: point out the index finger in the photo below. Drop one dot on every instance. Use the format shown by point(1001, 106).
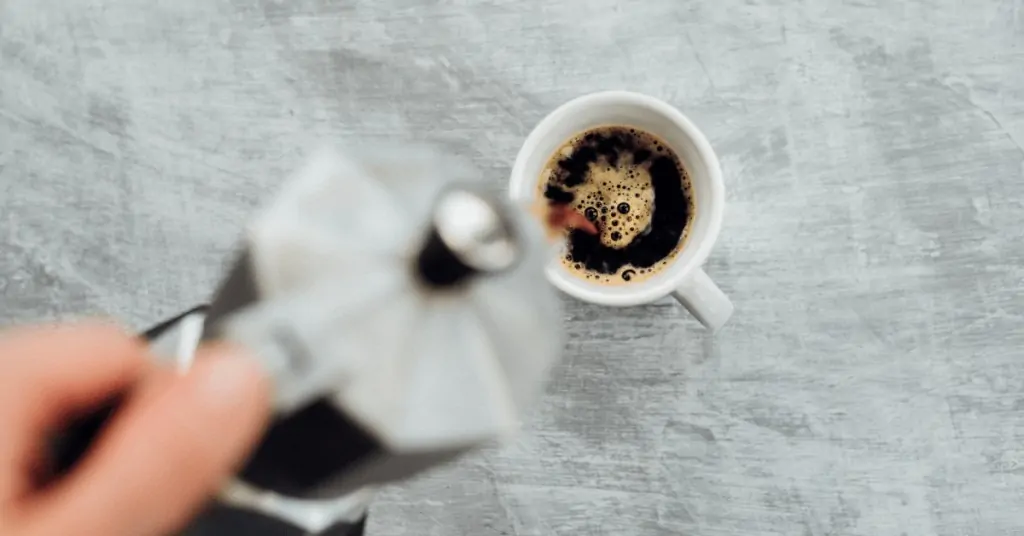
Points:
point(48, 373)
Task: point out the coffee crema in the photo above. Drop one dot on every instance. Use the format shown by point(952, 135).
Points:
point(634, 188)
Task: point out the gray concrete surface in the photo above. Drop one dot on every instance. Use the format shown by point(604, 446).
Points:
point(871, 381)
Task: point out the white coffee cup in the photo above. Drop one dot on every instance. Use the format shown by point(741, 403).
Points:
point(683, 278)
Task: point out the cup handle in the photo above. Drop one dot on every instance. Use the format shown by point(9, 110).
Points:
point(705, 301)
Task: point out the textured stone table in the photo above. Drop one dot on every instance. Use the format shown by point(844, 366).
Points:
point(872, 380)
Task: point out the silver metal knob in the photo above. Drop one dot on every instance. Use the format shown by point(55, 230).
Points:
point(471, 232)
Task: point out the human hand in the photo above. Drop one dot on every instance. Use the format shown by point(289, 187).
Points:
point(172, 444)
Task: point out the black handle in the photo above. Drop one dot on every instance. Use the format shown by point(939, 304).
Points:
point(71, 444)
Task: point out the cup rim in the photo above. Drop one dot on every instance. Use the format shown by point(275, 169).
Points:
point(656, 288)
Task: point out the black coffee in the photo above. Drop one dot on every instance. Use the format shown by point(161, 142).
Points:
point(635, 190)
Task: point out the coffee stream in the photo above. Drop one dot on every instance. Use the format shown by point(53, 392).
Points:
point(634, 189)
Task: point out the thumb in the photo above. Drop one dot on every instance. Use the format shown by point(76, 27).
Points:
point(173, 444)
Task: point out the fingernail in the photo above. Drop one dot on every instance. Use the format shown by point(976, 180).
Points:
point(228, 379)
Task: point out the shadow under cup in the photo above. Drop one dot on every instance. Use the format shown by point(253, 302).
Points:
point(662, 120)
